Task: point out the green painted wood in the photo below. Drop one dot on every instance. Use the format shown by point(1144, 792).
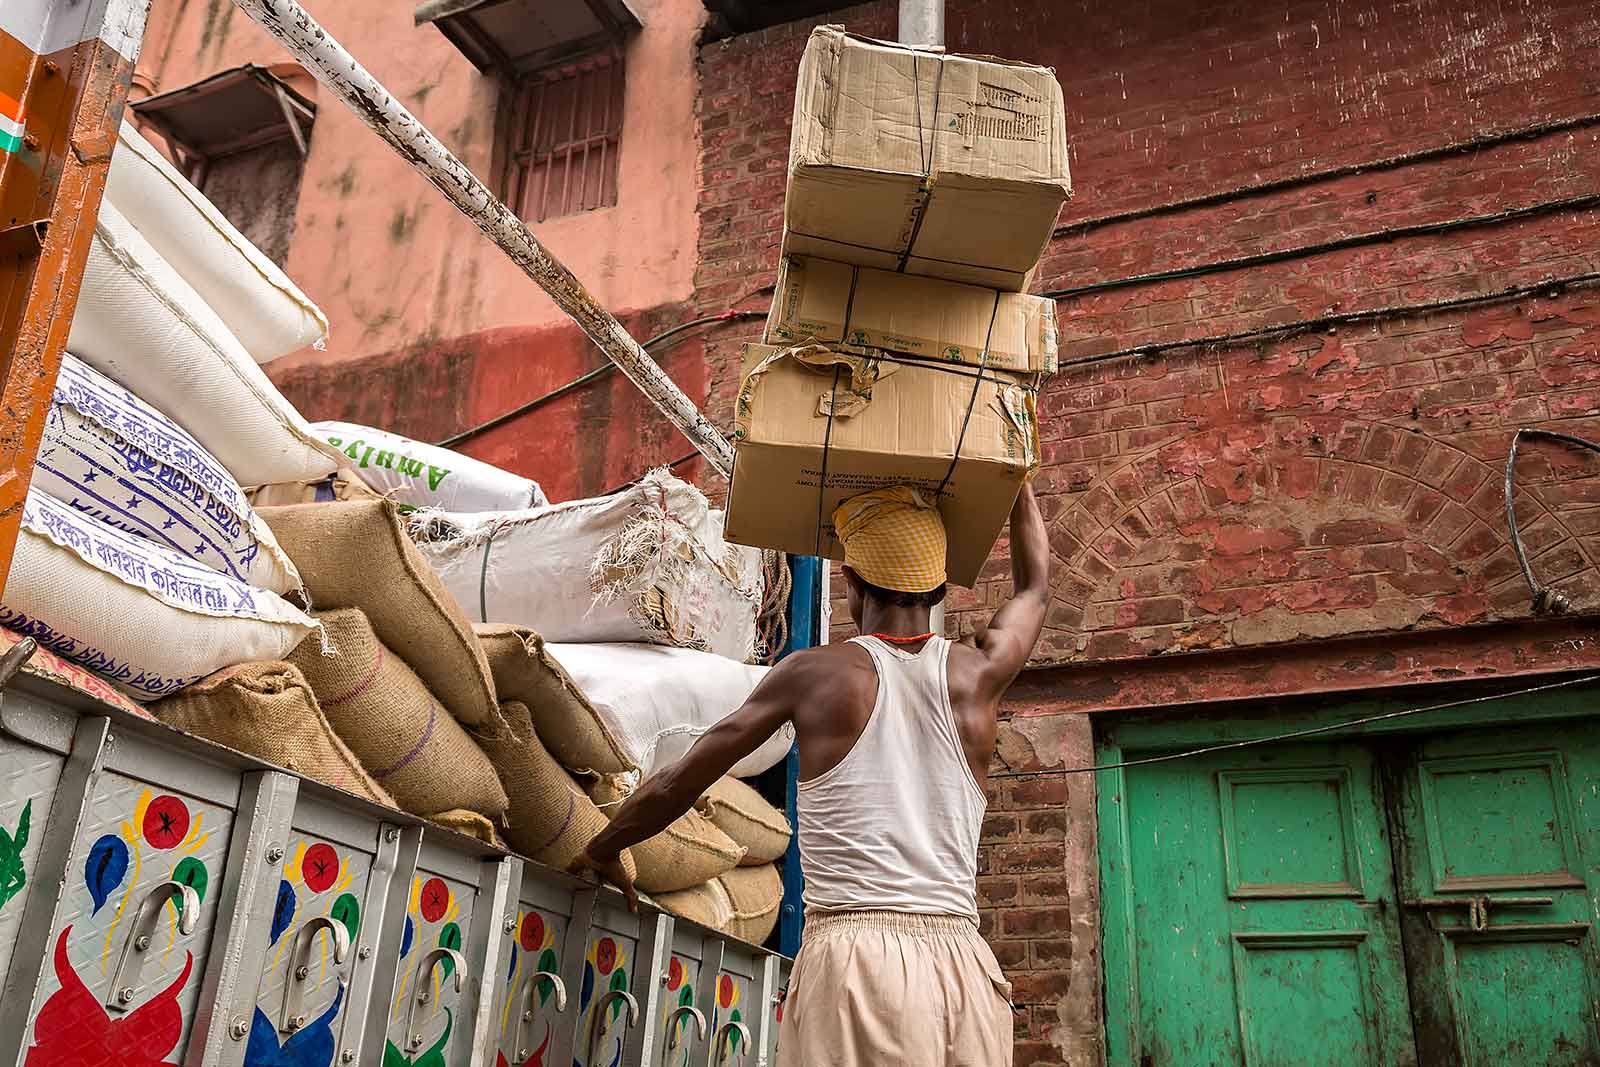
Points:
point(1509, 816)
point(1262, 913)
point(1183, 727)
point(1235, 883)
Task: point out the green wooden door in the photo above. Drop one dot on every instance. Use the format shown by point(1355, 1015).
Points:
point(1499, 834)
point(1263, 927)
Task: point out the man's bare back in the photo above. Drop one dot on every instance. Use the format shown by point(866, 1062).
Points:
point(828, 693)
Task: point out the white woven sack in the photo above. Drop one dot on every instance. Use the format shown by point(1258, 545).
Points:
point(266, 311)
point(110, 455)
point(148, 620)
point(144, 326)
point(645, 564)
point(657, 701)
point(426, 476)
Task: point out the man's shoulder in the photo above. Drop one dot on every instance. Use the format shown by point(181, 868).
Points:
point(842, 668)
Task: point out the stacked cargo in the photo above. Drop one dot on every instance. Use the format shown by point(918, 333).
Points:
point(901, 348)
point(333, 634)
point(618, 629)
point(140, 558)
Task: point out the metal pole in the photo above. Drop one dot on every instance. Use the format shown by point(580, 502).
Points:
point(922, 23)
point(335, 68)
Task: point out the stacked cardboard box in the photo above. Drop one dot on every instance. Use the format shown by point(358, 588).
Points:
point(900, 348)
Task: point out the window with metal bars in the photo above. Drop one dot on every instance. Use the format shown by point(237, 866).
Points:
point(563, 134)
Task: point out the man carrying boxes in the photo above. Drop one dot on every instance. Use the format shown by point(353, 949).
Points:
point(889, 421)
point(895, 731)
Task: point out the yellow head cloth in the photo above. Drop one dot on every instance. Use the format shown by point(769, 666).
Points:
point(893, 538)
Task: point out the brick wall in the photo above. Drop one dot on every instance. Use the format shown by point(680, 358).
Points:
point(1306, 436)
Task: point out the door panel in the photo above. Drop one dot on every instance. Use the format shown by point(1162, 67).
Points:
point(1498, 842)
point(1263, 912)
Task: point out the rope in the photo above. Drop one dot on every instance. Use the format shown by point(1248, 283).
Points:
point(772, 620)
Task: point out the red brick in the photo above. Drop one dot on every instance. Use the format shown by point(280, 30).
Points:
point(1031, 922)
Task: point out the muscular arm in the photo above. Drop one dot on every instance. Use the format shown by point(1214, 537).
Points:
point(670, 792)
point(1015, 628)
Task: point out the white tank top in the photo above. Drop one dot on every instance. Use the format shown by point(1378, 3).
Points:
point(894, 825)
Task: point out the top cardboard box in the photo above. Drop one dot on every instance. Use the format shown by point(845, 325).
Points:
point(942, 165)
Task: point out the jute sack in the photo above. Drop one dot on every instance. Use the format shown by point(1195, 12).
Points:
point(268, 711)
point(564, 719)
point(686, 853)
point(470, 823)
point(355, 554)
point(658, 701)
point(138, 322)
point(744, 815)
point(386, 715)
point(550, 819)
point(648, 563)
point(108, 454)
point(148, 620)
point(261, 306)
point(418, 475)
point(744, 902)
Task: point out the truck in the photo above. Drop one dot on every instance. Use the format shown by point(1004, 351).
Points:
point(224, 911)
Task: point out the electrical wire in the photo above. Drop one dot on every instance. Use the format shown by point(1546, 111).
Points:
point(1290, 735)
point(1549, 286)
point(1405, 159)
point(599, 372)
point(1544, 598)
point(1360, 240)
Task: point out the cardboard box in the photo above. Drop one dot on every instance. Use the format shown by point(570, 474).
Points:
point(860, 308)
point(941, 165)
point(893, 422)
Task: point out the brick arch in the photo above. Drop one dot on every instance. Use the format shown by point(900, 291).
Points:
point(1311, 528)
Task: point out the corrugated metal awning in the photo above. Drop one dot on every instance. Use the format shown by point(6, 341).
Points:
point(233, 111)
point(516, 36)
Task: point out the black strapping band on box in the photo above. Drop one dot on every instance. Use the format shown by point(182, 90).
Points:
point(972, 400)
point(891, 252)
point(827, 443)
point(849, 306)
point(926, 151)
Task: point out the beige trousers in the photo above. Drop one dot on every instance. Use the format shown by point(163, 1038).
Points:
point(884, 989)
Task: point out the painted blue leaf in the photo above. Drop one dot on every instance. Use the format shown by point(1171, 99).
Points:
point(587, 990)
point(105, 868)
point(511, 971)
point(283, 912)
point(312, 1046)
point(405, 939)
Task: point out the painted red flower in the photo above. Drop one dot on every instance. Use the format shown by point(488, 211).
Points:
point(73, 1027)
point(532, 936)
point(319, 867)
point(674, 974)
point(166, 822)
point(434, 899)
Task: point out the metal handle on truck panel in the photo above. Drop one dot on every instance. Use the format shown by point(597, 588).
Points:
point(672, 1024)
point(719, 1042)
point(532, 985)
point(597, 1024)
point(295, 982)
point(419, 986)
point(126, 977)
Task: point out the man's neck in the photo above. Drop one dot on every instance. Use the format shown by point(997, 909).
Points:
point(894, 621)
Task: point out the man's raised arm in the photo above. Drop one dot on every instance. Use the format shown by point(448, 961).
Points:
point(1015, 628)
